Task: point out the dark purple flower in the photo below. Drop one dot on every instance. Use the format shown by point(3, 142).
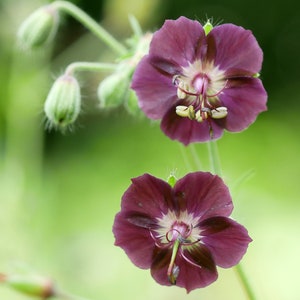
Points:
point(201, 84)
point(181, 233)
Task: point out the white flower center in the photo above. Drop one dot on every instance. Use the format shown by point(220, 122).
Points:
point(172, 227)
point(200, 84)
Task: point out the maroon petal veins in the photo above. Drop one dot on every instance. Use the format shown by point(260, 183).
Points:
point(178, 41)
point(135, 241)
point(245, 99)
point(197, 268)
point(147, 195)
point(155, 91)
point(205, 194)
point(235, 49)
point(227, 240)
point(160, 262)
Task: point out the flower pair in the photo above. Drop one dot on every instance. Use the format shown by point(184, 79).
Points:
point(198, 81)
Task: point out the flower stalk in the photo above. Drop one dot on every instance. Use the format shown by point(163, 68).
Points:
point(90, 24)
point(214, 159)
point(89, 66)
point(216, 168)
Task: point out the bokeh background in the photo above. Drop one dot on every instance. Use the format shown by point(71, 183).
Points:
point(59, 193)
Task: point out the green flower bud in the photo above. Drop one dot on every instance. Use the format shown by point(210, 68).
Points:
point(113, 90)
point(31, 285)
point(63, 102)
point(131, 105)
point(39, 28)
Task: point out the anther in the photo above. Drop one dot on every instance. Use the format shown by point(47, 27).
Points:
point(182, 110)
point(186, 111)
point(219, 112)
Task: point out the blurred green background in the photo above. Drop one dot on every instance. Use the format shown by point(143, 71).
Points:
point(59, 193)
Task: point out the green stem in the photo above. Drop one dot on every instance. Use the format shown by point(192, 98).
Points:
point(195, 156)
point(216, 168)
point(91, 24)
point(88, 66)
point(67, 296)
point(214, 158)
point(244, 281)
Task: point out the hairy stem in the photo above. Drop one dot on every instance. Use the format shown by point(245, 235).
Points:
point(90, 24)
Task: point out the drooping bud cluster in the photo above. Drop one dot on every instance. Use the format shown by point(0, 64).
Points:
point(115, 90)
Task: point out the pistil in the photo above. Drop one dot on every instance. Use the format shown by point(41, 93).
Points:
point(173, 269)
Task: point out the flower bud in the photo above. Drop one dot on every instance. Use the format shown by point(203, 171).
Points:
point(131, 105)
point(115, 90)
point(39, 28)
point(32, 285)
point(112, 91)
point(63, 102)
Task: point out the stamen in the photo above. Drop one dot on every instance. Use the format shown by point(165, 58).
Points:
point(189, 261)
point(219, 112)
point(185, 111)
point(158, 242)
point(198, 116)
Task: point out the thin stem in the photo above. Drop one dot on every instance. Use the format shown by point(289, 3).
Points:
point(137, 30)
point(214, 158)
point(67, 296)
point(185, 158)
point(244, 281)
point(195, 156)
point(88, 66)
point(216, 168)
point(91, 24)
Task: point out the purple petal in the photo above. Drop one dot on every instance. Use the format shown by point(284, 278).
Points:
point(154, 89)
point(197, 268)
point(234, 48)
point(178, 41)
point(188, 131)
point(244, 99)
point(135, 241)
point(227, 240)
point(206, 195)
point(148, 196)
point(159, 267)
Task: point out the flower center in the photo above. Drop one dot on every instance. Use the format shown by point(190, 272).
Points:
point(175, 232)
point(200, 85)
point(179, 231)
